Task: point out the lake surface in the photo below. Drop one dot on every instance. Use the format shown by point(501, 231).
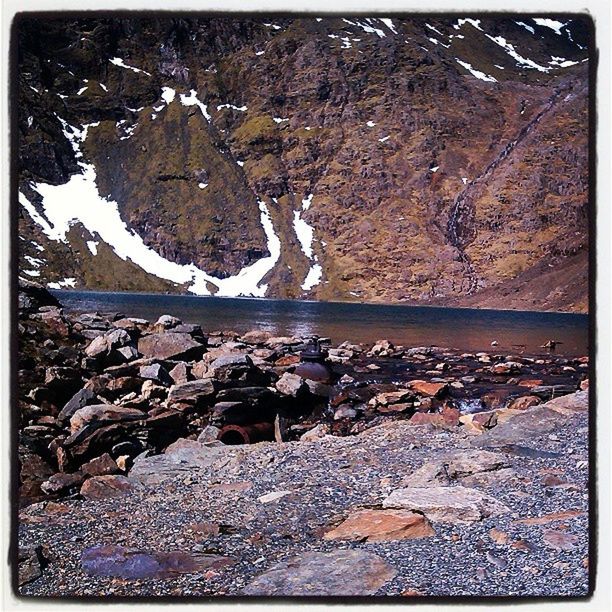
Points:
point(460, 328)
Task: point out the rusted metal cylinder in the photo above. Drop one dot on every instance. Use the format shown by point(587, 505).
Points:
point(246, 434)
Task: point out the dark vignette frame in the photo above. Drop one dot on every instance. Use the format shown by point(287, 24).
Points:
point(593, 518)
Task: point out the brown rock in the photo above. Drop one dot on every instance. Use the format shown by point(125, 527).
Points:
point(428, 388)
point(256, 337)
point(382, 526)
point(287, 360)
point(100, 466)
point(180, 373)
point(337, 573)
point(525, 402)
point(523, 546)
point(103, 414)
point(392, 397)
point(103, 487)
point(487, 420)
point(61, 482)
point(394, 408)
point(170, 345)
point(530, 382)
point(192, 392)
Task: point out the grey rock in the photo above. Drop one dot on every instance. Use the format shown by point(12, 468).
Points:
point(338, 573)
point(79, 400)
point(291, 384)
point(192, 392)
point(170, 345)
point(446, 504)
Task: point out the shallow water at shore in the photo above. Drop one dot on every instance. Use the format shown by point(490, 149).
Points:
point(460, 328)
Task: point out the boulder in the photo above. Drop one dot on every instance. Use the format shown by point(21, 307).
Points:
point(456, 504)
point(337, 573)
point(100, 466)
point(103, 487)
point(457, 467)
point(180, 373)
point(170, 345)
point(103, 414)
point(256, 337)
point(431, 389)
point(381, 526)
point(292, 385)
point(31, 563)
point(62, 483)
point(155, 372)
point(524, 426)
point(79, 400)
point(569, 404)
point(524, 402)
point(167, 322)
point(192, 392)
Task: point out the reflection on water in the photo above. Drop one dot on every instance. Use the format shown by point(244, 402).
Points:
point(465, 329)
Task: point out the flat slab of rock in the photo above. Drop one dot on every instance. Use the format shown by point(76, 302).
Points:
point(169, 345)
point(103, 414)
point(446, 504)
point(382, 526)
point(132, 564)
point(530, 424)
point(464, 466)
point(103, 487)
point(569, 404)
point(178, 461)
point(191, 392)
point(339, 573)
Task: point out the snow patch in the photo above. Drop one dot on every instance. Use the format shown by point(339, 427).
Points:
point(304, 233)
point(240, 162)
point(464, 179)
point(553, 24)
point(78, 200)
point(384, 139)
point(434, 168)
point(82, 90)
point(92, 245)
point(30, 121)
point(117, 61)
point(67, 282)
point(370, 124)
point(34, 261)
point(168, 94)
point(31, 272)
point(473, 22)
point(477, 73)
point(279, 119)
point(104, 87)
point(259, 52)
point(427, 25)
point(313, 278)
point(242, 109)
point(524, 25)
point(389, 23)
point(511, 51)
point(192, 100)
point(202, 185)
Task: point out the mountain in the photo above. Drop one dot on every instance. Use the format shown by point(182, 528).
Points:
point(420, 160)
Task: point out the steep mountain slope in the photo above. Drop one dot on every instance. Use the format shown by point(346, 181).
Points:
point(419, 160)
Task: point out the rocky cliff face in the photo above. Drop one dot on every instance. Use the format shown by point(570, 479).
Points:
point(417, 160)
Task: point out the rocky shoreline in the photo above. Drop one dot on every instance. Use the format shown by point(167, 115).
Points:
point(260, 462)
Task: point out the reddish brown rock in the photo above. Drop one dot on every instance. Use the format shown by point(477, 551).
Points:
point(525, 402)
point(100, 466)
point(382, 526)
point(428, 388)
point(103, 487)
point(287, 360)
point(530, 382)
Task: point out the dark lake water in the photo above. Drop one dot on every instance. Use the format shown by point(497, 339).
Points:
point(464, 329)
